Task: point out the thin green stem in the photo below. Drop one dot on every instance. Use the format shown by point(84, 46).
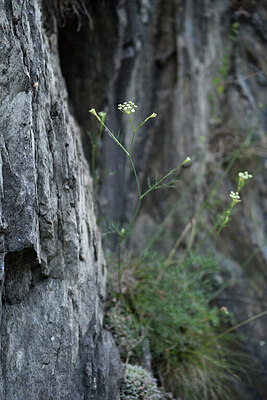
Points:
point(129, 227)
point(142, 123)
point(119, 267)
point(213, 192)
point(145, 120)
point(94, 143)
point(114, 138)
point(136, 177)
point(233, 328)
point(133, 135)
point(158, 184)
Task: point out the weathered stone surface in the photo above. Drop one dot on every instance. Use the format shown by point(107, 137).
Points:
point(52, 268)
point(164, 56)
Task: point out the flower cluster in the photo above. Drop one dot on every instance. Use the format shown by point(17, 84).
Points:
point(127, 107)
point(235, 196)
point(244, 175)
point(242, 178)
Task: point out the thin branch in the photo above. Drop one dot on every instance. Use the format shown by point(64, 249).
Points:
point(247, 321)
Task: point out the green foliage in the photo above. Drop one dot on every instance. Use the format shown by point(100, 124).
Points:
point(139, 385)
point(112, 228)
point(234, 32)
point(172, 304)
point(174, 301)
point(210, 373)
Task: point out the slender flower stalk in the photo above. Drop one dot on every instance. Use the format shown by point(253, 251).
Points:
point(95, 143)
point(235, 196)
point(129, 108)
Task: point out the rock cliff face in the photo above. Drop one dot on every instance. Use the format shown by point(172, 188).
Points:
point(201, 66)
point(52, 271)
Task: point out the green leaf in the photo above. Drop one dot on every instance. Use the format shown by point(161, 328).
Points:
point(220, 89)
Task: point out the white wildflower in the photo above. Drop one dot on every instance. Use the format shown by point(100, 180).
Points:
point(235, 196)
point(244, 175)
point(127, 107)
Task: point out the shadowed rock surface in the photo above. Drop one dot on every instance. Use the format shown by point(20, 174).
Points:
point(53, 272)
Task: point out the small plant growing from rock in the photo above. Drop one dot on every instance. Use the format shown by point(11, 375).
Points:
point(138, 384)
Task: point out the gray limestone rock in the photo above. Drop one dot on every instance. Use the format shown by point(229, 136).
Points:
point(52, 270)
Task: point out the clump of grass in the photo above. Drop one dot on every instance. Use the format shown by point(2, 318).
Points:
point(182, 327)
point(210, 372)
